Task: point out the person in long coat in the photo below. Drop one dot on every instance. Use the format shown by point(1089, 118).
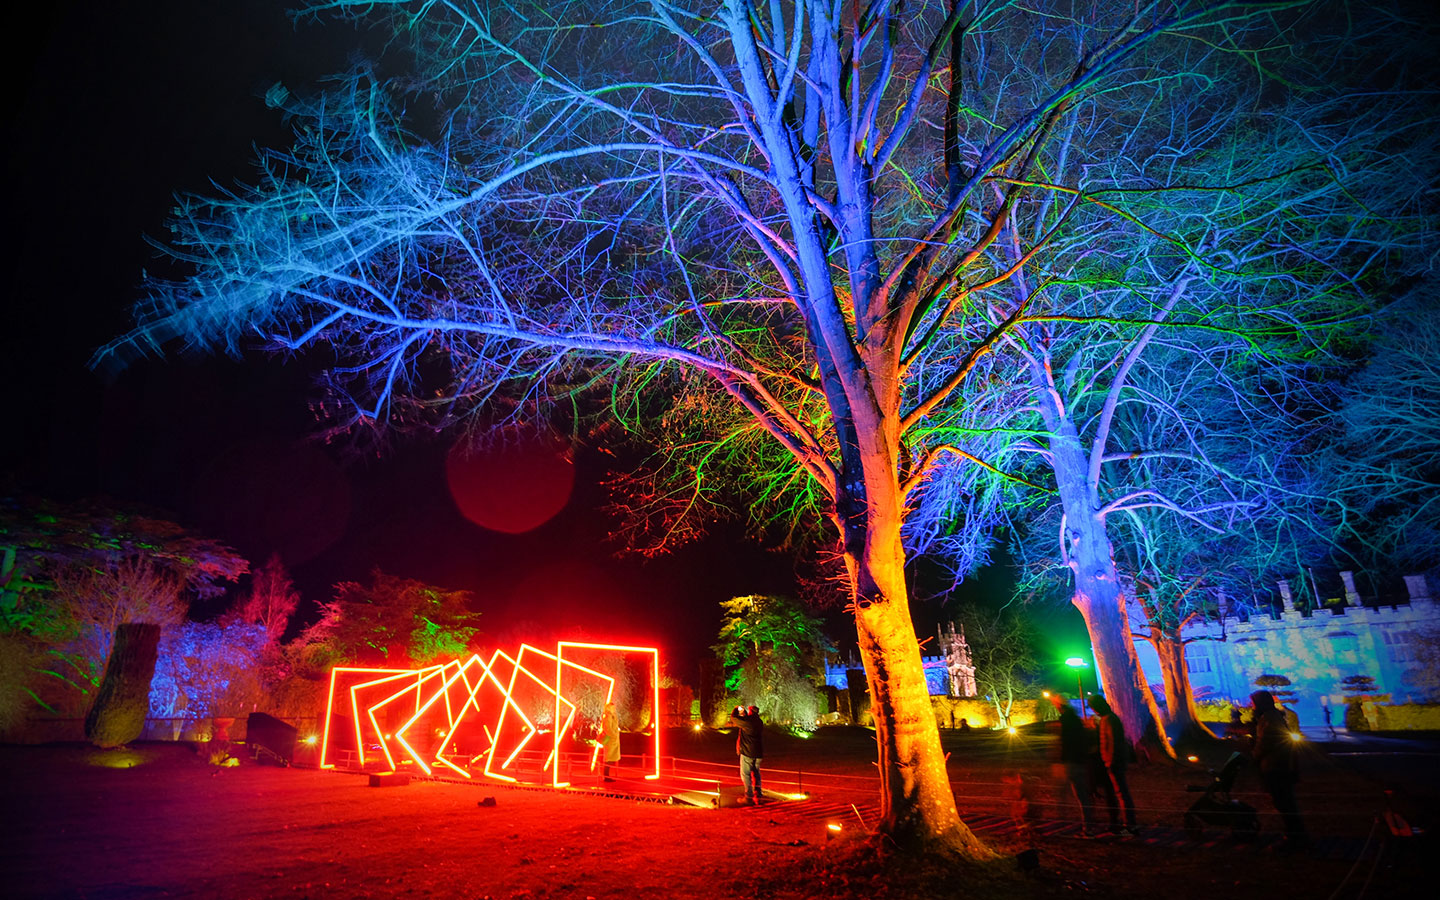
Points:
point(609, 740)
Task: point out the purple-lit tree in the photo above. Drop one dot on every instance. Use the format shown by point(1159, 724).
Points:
point(1178, 340)
point(770, 231)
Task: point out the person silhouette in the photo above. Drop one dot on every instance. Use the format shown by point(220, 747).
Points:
point(610, 740)
point(750, 747)
point(1115, 758)
point(1273, 749)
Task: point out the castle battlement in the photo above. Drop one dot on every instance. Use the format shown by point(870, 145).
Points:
point(1315, 646)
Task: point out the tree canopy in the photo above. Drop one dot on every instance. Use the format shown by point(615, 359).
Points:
point(392, 621)
point(797, 246)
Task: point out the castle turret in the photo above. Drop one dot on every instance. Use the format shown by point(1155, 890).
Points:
point(1419, 590)
point(957, 661)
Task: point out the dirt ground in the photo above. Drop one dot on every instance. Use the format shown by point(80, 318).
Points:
point(157, 820)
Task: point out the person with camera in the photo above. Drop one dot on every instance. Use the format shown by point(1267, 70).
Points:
point(750, 747)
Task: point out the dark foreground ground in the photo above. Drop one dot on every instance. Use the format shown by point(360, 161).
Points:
point(157, 820)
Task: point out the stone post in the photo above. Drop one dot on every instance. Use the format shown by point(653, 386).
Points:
point(1352, 596)
point(1287, 598)
point(1419, 591)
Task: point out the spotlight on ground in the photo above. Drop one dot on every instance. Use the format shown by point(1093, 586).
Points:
point(1012, 730)
point(698, 727)
point(1193, 758)
point(1296, 736)
point(832, 831)
point(312, 740)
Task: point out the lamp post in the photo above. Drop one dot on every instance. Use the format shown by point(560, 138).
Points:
point(1078, 664)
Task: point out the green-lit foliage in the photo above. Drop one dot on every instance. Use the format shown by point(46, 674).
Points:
point(76, 572)
point(393, 621)
point(772, 652)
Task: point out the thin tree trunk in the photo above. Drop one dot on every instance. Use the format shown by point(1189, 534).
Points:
point(1182, 716)
point(118, 715)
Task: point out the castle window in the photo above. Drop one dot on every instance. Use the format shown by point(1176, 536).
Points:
point(1401, 644)
point(1197, 664)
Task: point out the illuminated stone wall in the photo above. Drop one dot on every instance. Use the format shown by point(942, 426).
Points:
point(1315, 649)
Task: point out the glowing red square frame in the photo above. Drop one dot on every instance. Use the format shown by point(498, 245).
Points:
point(391, 675)
point(560, 663)
point(439, 673)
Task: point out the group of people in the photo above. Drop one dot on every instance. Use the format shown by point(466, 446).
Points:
point(1097, 759)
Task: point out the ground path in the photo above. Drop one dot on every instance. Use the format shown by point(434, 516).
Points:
point(158, 821)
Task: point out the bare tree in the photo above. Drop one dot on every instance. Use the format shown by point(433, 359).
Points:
point(1385, 461)
point(1179, 336)
point(1002, 647)
point(270, 601)
point(770, 225)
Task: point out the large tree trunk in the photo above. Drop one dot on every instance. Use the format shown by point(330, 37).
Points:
point(118, 715)
point(917, 806)
point(1100, 602)
point(1182, 716)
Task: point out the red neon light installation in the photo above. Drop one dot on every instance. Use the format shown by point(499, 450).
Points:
point(561, 662)
point(497, 707)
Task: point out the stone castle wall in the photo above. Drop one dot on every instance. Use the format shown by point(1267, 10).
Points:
point(1316, 649)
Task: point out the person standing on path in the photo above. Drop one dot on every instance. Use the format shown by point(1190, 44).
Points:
point(1076, 745)
point(1273, 750)
point(750, 747)
point(610, 740)
point(1115, 757)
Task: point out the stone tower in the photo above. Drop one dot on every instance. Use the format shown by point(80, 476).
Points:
point(957, 661)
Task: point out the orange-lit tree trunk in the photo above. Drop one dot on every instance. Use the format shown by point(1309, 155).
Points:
point(917, 806)
point(1181, 715)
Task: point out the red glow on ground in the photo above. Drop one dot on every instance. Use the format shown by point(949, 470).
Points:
point(512, 488)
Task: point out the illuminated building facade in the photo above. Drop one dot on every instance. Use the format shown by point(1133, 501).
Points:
point(1316, 648)
point(949, 674)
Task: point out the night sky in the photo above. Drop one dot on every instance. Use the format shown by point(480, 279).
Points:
point(115, 107)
